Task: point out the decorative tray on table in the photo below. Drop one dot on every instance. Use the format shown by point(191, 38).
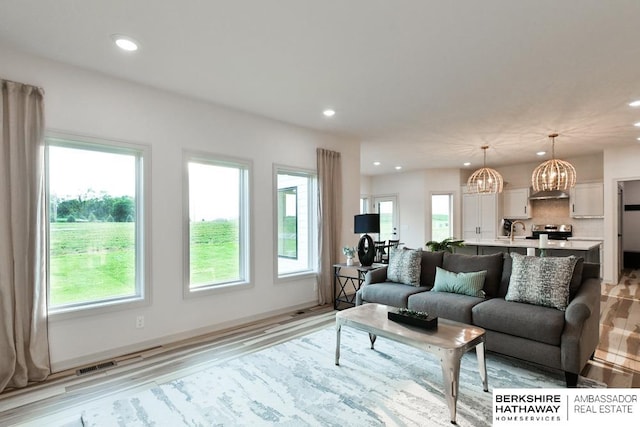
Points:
point(412, 317)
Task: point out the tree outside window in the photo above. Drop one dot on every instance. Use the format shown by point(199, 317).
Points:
point(96, 234)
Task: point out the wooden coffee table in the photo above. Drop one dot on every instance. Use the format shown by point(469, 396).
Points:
point(449, 342)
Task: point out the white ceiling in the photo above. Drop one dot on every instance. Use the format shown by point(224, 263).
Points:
point(422, 83)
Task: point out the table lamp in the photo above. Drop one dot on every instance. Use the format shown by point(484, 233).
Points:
point(366, 223)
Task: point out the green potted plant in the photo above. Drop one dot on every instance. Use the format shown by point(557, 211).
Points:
point(446, 245)
point(349, 252)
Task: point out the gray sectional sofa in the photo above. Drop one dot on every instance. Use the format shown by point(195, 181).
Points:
point(547, 336)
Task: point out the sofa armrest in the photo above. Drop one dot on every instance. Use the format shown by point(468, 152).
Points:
point(577, 313)
point(585, 303)
point(582, 326)
point(378, 275)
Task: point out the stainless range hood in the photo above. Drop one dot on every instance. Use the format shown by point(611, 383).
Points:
point(547, 195)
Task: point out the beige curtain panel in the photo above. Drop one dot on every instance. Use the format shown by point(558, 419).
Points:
point(24, 346)
point(329, 220)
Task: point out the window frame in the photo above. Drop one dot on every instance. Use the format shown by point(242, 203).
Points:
point(245, 224)
point(312, 238)
point(451, 195)
point(285, 192)
point(364, 204)
point(142, 155)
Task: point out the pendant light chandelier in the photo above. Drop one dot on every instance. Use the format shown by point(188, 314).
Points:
point(553, 174)
point(485, 180)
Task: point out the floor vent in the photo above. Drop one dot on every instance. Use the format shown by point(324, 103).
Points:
point(94, 368)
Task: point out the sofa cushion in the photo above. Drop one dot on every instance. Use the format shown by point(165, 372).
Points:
point(430, 260)
point(443, 304)
point(460, 283)
point(389, 293)
point(537, 323)
point(459, 263)
point(404, 266)
point(541, 281)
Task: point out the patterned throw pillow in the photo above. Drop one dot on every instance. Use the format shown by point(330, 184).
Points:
point(404, 266)
point(541, 281)
point(460, 283)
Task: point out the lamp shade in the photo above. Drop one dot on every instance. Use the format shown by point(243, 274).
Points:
point(554, 174)
point(485, 180)
point(366, 223)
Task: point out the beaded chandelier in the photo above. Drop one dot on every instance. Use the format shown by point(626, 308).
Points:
point(553, 174)
point(485, 180)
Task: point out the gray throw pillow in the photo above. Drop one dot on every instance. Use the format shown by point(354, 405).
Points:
point(541, 281)
point(460, 283)
point(404, 266)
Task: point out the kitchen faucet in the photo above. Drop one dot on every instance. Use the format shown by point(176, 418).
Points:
point(513, 227)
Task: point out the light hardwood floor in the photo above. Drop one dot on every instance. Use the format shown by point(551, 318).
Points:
point(616, 363)
point(617, 359)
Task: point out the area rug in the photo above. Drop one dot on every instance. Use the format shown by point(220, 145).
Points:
point(296, 383)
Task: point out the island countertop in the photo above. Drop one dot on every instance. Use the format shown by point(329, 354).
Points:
point(574, 245)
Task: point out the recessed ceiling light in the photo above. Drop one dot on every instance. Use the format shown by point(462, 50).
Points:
point(376, 163)
point(125, 42)
point(329, 112)
point(637, 124)
point(541, 153)
point(635, 103)
point(638, 139)
point(398, 168)
point(467, 163)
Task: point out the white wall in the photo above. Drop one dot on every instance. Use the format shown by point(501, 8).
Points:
point(87, 103)
point(413, 190)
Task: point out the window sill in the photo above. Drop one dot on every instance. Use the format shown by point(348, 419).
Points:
point(59, 314)
point(291, 277)
point(215, 289)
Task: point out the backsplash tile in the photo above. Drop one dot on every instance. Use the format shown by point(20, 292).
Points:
point(557, 212)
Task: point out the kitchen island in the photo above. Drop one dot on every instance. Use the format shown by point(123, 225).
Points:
point(587, 249)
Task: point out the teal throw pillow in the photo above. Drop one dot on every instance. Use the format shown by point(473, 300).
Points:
point(460, 283)
point(404, 266)
point(541, 281)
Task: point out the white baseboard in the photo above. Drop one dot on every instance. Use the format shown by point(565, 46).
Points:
point(149, 344)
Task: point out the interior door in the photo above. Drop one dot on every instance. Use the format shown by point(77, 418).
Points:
point(387, 207)
point(620, 229)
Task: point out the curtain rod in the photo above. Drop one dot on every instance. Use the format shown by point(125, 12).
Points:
point(3, 80)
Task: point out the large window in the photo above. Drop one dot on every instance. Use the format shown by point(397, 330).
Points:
point(217, 248)
point(441, 216)
point(295, 221)
point(96, 224)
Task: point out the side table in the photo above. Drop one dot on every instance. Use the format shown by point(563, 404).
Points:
point(343, 283)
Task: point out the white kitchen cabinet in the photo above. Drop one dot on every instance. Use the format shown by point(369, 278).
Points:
point(587, 200)
point(515, 203)
point(479, 216)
